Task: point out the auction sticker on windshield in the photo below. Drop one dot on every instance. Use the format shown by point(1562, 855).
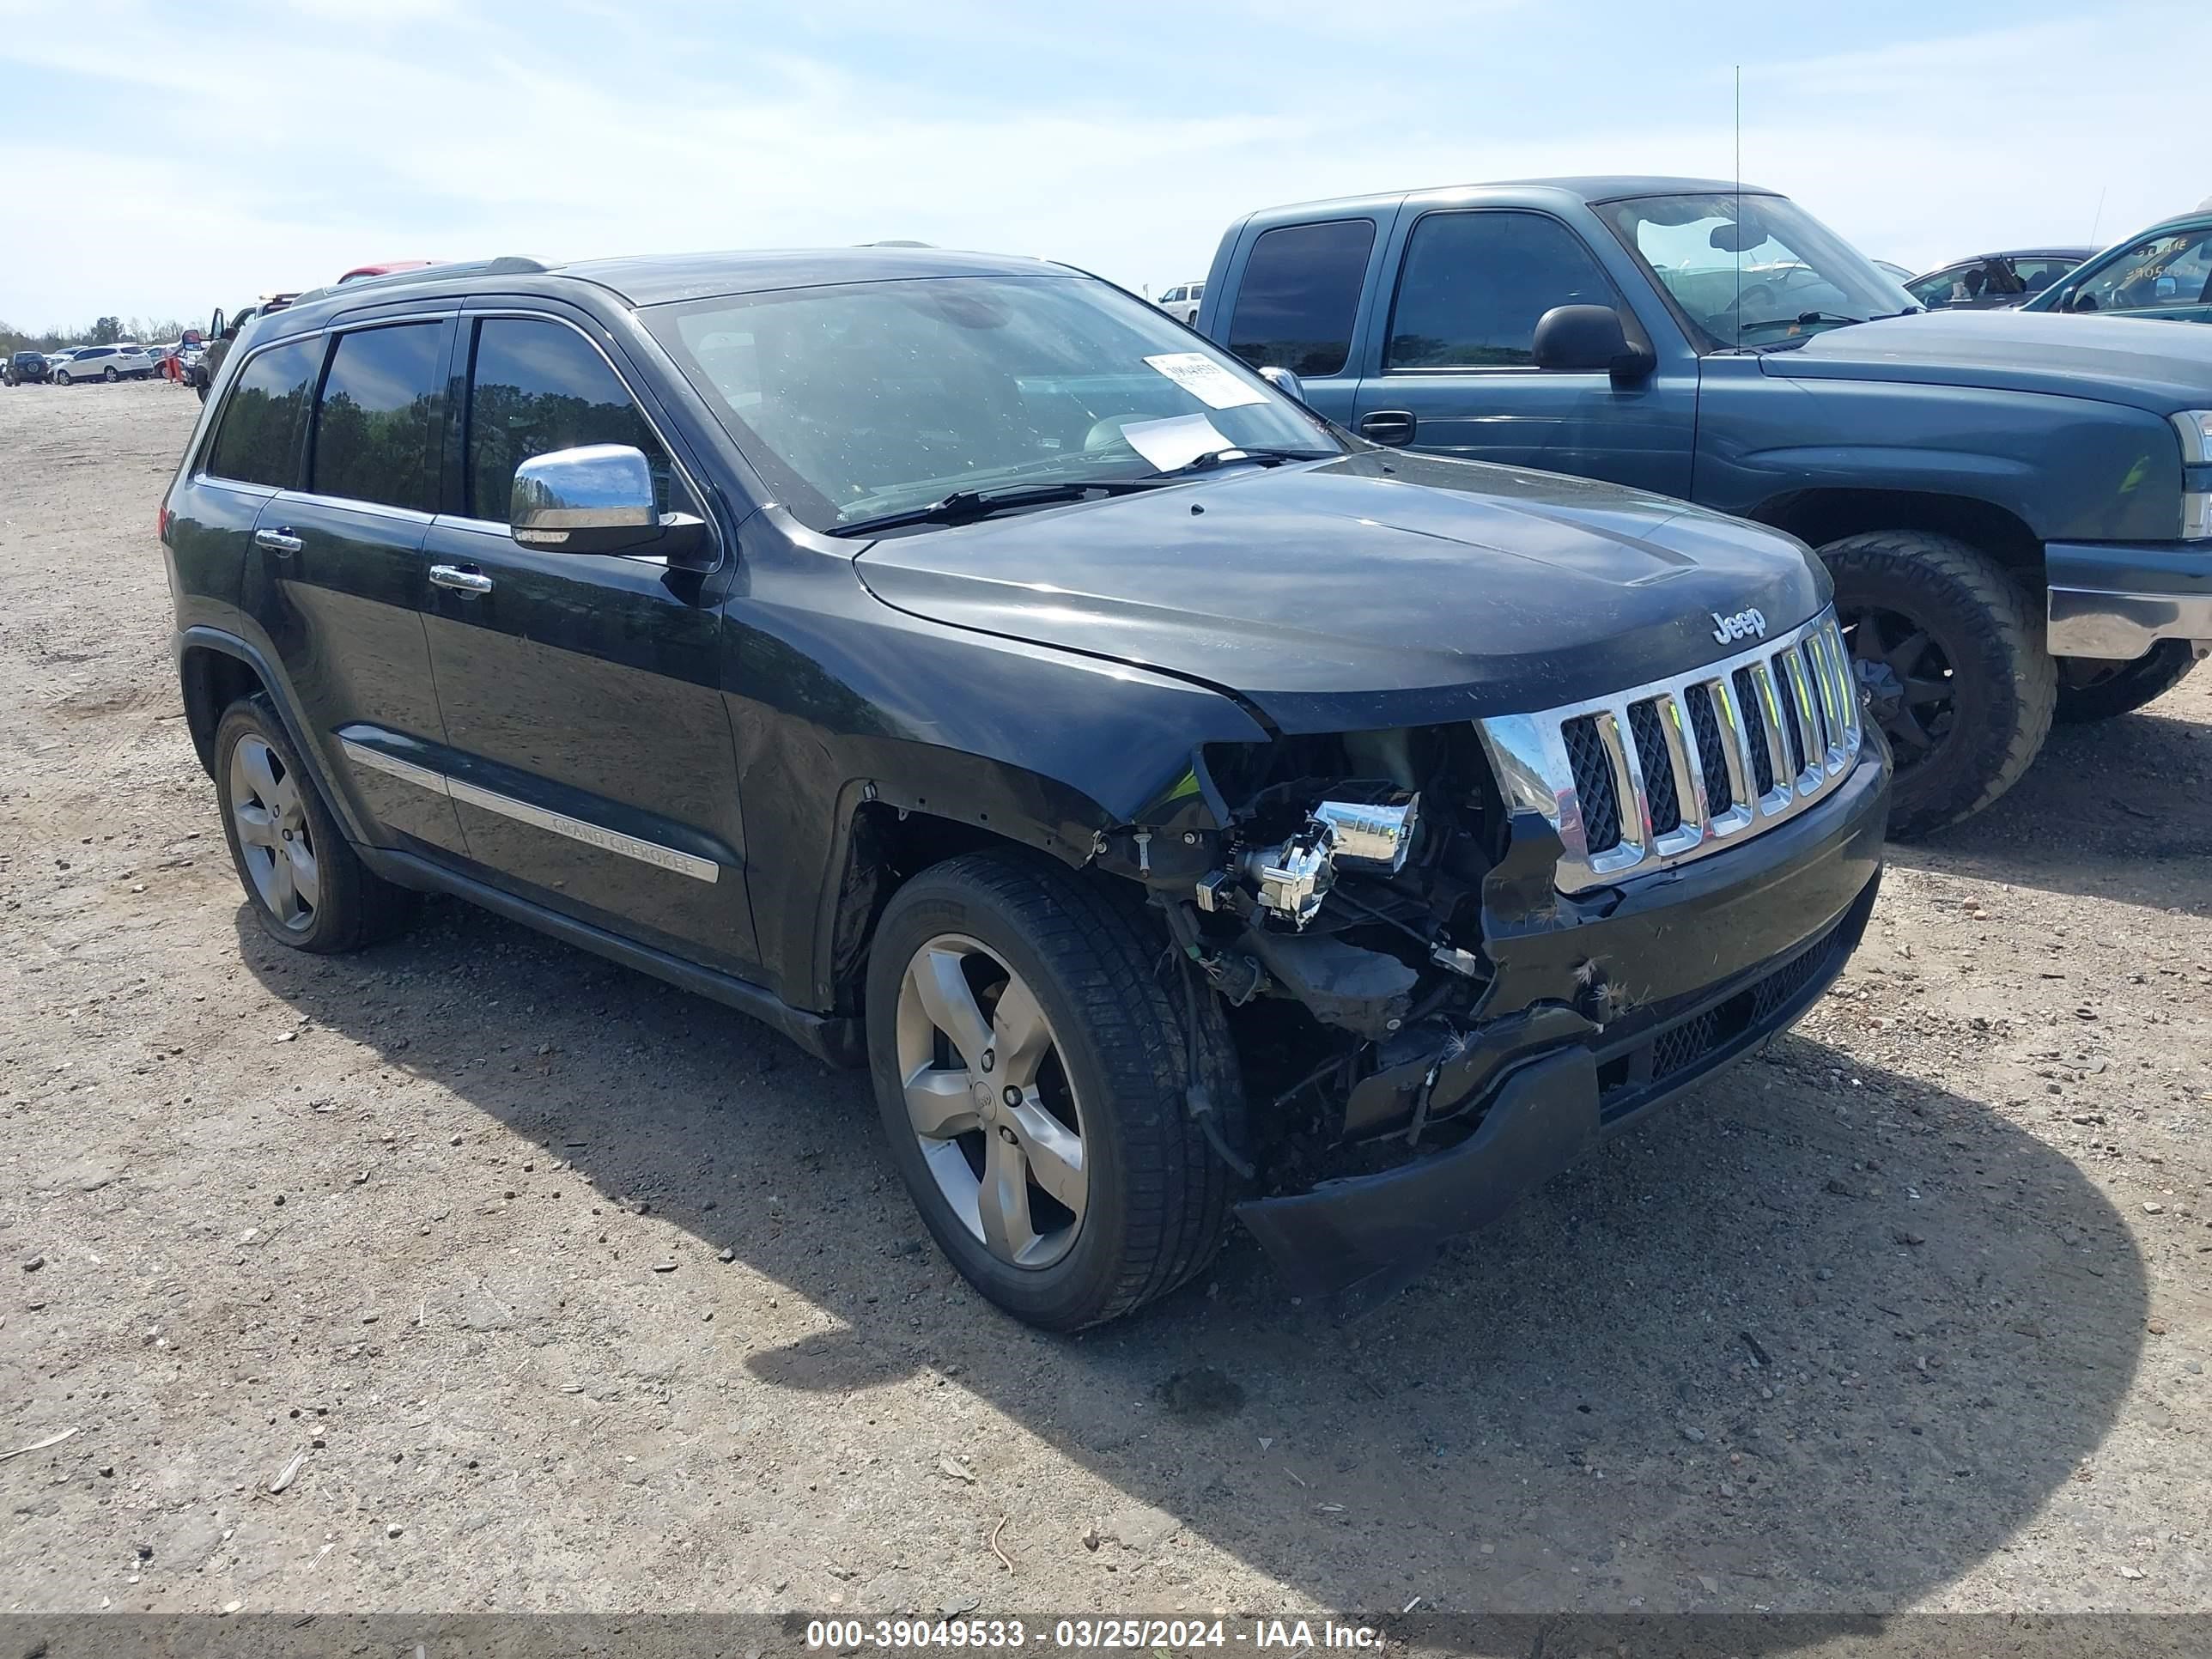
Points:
point(1176, 442)
point(1205, 379)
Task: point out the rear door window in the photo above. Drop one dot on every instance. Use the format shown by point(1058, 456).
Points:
point(1300, 297)
point(258, 442)
point(537, 386)
point(376, 415)
point(1475, 284)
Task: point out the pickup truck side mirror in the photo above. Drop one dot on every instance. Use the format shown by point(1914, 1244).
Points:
point(1285, 382)
point(1589, 337)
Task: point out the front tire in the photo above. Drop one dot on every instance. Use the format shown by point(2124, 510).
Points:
point(1950, 658)
point(61, 377)
point(2090, 688)
point(1030, 1066)
point(307, 887)
point(111, 375)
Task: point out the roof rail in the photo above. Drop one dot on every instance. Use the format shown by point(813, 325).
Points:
point(507, 264)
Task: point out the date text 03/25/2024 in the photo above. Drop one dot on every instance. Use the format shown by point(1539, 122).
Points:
point(1083, 1635)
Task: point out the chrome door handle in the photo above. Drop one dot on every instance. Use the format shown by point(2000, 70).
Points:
point(277, 541)
point(460, 581)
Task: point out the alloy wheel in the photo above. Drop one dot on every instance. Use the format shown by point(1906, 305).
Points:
point(275, 843)
point(1906, 679)
point(989, 1102)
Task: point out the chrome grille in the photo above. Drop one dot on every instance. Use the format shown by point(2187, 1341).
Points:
point(1658, 774)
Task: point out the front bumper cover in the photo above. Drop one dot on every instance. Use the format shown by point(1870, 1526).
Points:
point(1728, 954)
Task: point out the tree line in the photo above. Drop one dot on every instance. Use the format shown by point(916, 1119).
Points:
point(102, 330)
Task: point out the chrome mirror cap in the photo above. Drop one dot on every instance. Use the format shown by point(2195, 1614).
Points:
point(1285, 382)
point(597, 498)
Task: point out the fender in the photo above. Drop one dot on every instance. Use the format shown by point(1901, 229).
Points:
point(201, 636)
point(2062, 468)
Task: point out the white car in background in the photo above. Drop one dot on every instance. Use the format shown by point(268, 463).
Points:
point(1181, 301)
point(104, 363)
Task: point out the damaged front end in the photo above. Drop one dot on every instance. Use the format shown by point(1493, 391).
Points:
point(1427, 1025)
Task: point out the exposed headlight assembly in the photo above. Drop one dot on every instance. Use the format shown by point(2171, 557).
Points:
point(1293, 878)
point(2195, 426)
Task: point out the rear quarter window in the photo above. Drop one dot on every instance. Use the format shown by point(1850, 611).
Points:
point(257, 440)
point(1300, 296)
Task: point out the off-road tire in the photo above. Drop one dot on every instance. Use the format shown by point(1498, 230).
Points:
point(2005, 683)
point(355, 907)
point(1159, 1196)
point(2146, 679)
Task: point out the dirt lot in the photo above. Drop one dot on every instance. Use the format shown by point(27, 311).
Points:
point(565, 1291)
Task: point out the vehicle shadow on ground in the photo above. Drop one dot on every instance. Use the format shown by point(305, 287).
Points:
point(2121, 809)
point(1820, 1340)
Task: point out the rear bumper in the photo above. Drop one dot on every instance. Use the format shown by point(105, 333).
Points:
point(2115, 600)
point(1735, 951)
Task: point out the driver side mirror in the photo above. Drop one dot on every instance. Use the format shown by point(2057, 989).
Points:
point(1586, 339)
point(1285, 382)
point(597, 498)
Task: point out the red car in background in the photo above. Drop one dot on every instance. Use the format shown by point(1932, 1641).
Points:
point(385, 269)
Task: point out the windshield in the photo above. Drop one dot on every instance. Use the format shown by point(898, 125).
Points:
point(1754, 271)
point(865, 400)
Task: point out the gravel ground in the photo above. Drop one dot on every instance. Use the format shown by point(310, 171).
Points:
point(537, 1285)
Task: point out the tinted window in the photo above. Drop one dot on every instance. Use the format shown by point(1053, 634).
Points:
point(537, 387)
point(259, 440)
point(373, 422)
point(1300, 296)
point(1475, 284)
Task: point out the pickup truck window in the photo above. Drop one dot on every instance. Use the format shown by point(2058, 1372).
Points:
point(1475, 284)
point(1300, 296)
point(373, 421)
point(2162, 271)
point(1751, 271)
point(259, 441)
point(856, 401)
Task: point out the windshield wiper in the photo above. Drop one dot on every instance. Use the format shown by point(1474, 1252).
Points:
point(1261, 453)
point(1798, 321)
point(966, 505)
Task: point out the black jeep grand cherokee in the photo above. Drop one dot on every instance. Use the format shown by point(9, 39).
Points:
point(1180, 805)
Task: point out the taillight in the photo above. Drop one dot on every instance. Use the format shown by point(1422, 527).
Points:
point(161, 517)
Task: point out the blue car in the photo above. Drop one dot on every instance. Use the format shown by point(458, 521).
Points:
point(2163, 273)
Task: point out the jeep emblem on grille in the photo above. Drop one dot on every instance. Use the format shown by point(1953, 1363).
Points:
point(1743, 624)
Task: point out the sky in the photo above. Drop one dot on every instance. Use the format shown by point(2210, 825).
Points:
point(180, 156)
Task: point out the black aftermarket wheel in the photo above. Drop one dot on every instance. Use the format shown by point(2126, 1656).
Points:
point(1949, 657)
point(1030, 1064)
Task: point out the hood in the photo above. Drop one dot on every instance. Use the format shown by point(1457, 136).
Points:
point(1381, 589)
point(2155, 366)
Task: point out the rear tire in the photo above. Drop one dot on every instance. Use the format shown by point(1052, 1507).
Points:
point(2091, 690)
point(1154, 1197)
point(307, 887)
point(1950, 657)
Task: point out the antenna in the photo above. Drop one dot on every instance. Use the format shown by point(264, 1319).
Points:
point(1739, 206)
point(2100, 219)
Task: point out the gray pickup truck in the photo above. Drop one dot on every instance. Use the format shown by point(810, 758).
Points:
point(2016, 508)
